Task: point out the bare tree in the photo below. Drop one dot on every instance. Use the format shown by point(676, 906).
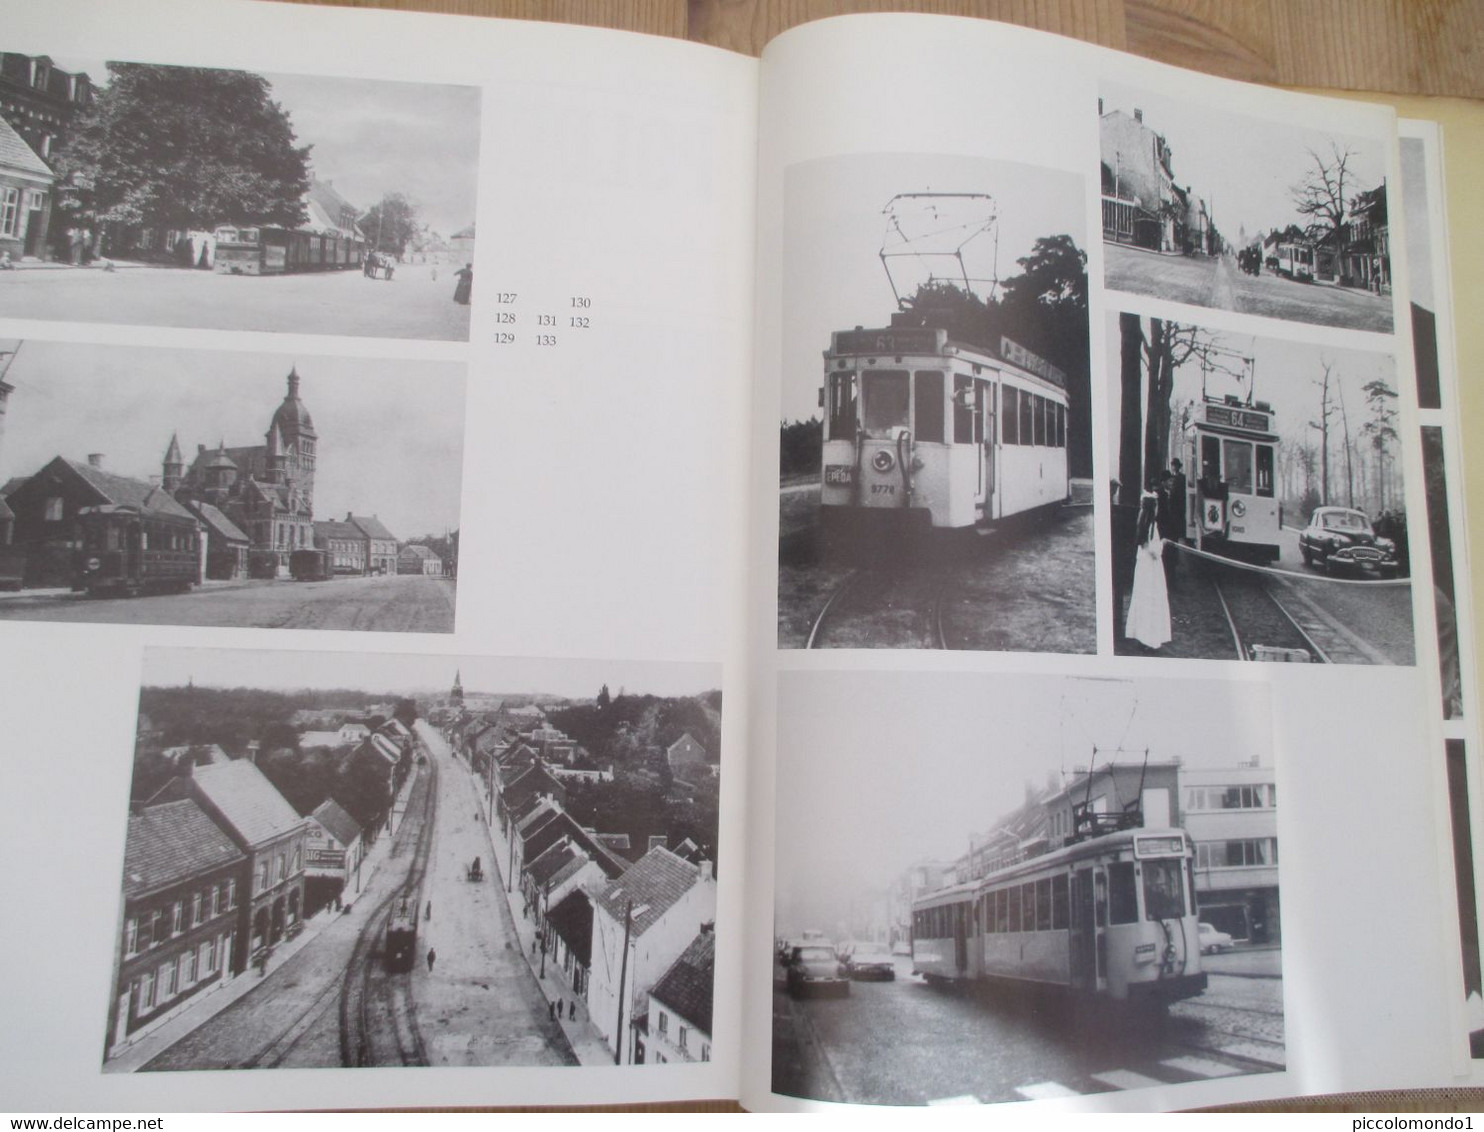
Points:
point(1380, 429)
point(1326, 410)
point(1349, 448)
point(1320, 193)
point(1168, 346)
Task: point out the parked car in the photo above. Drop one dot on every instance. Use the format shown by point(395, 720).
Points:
point(813, 968)
point(871, 961)
point(1342, 538)
point(1212, 940)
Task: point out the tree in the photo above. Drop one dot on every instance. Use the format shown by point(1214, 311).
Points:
point(1326, 410)
point(1380, 429)
point(604, 697)
point(392, 224)
point(800, 446)
point(185, 148)
point(1320, 193)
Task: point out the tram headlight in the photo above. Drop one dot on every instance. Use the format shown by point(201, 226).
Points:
point(93, 563)
point(883, 461)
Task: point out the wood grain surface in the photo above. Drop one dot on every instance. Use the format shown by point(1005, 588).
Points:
point(1414, 47)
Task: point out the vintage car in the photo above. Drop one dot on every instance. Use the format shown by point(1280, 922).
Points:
point(1341, 538)
point(870, 961)
point(813, 968)
point(1212, 940)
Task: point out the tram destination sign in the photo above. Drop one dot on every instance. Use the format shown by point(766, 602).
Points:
point(1016, 354)
point(904, 340)
point(1236, 418)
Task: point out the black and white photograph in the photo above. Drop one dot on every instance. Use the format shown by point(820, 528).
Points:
point(936, 465)
point(338, 860)
point(1445, 595)
point(1259, 510)
point(1075, 890)
point(230, 200)
point(1221, 210)
point(190, 487)
point(1417, 202)
point(1468, 906)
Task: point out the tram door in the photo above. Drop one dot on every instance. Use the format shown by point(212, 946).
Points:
point(961, 938)
point(984, 435)
point(1083, 942)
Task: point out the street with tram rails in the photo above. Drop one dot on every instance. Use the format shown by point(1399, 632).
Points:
point(906, 1042)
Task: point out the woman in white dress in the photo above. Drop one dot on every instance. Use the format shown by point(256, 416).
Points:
point(1148, 619)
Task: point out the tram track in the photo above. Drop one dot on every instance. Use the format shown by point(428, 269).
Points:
point(378, 1020)
point(1256, 620)
point(872, 607)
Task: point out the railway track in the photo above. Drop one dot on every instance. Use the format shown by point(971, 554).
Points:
point(1234, 1033)
point(378, 1021)
point(1261, 626)
point(876, 608)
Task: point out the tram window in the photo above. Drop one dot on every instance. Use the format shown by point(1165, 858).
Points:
point(842, 406)
point(1012, 895)
point(1043, 905)
point(1123, 900)
point(1238, 454)
point(884, 400)
point(1164, 894)
point(1061, 426)
point(963, 410)
point(927, 385)
point(983, 407)
point(1265, 470)
point(1009, 415)
point(1211, 458)
point(1028, 418)
point(1028, 906)
point(1059, 901)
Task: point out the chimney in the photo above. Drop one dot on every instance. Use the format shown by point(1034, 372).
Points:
point(657, 841)
point(1100, 108)
point(706, 873)
point(200, 450)
point(95, 459)
point(252, 752)
point(1138, 114)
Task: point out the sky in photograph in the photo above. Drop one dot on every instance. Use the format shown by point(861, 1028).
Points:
point(1284, 375)
point(879, 770)
point(835, 227)
point(1243, 167)
point(373, 137)
point(413, 674)
point(390, 432)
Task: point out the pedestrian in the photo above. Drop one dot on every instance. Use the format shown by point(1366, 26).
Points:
point(533, 949)
point(428, 915)
point(551, 1011)
point(1171, 524)
point(465, 286)
point(432, 956)
point(559, 1004)
point(571, 1009)
point(1148, 619)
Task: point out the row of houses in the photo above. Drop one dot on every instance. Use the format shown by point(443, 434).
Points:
point(219, 867)
point(1230, 814)
point(634, 939)
point(1142, 204)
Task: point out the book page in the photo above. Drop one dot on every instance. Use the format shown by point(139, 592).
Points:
point(373, 403)
point(1101, 470)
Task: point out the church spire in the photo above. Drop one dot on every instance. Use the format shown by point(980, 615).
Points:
point(174, 466)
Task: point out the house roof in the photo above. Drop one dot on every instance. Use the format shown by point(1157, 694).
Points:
point(653, 885)
point(171, 842)
point(417, 549)
point(247, 800)
point(341, 825)
point(371, 527)
point(217, 522)
point(325, 207)
point(123, 490)
point(379, 744)
point(548, 864)
point(686, 987)
point(16, 154)
point(334, 528)
point(572, 920)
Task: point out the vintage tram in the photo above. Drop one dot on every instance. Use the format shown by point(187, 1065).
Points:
point(923, 431)
point(269, 250)
point(310, 565)
point(1294, 260)
point(1112, 917)
point(128, 549)
point(1231, 506)
point(400, 951)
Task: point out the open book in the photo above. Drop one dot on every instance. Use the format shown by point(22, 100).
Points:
point(828, 615)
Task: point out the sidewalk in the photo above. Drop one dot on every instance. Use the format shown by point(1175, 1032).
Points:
point(160, 1036)
point(586, 1042)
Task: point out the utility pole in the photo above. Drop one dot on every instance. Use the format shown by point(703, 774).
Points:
point(623, 970)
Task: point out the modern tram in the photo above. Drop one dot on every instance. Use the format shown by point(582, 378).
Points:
point(1112, 917)
point(926, 432)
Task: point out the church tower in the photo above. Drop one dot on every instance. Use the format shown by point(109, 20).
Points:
point(296, 434)
point(173, 467)
point(456, 697)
